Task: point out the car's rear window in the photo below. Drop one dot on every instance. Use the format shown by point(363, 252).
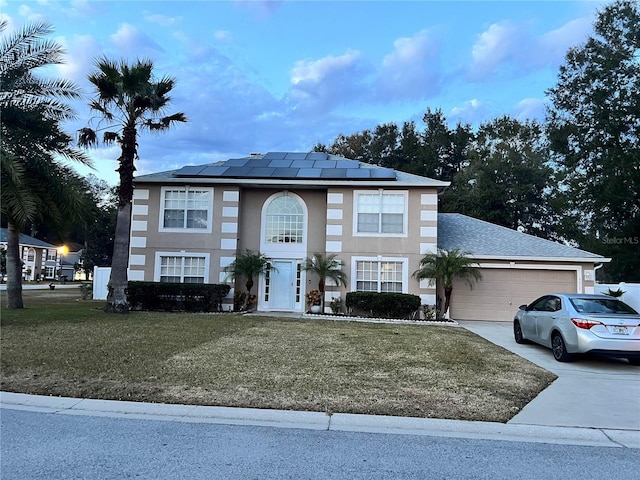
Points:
point(601, 305)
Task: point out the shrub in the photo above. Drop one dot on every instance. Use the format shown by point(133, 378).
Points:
point(191, 297)
point(86, 290)
point(386, 304)
point(240, 302)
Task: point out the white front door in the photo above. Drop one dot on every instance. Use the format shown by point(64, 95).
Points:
point(282, 285)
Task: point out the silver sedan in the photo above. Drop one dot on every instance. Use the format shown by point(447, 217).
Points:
point(580, 323)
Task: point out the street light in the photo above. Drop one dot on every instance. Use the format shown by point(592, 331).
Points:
point(62, 251)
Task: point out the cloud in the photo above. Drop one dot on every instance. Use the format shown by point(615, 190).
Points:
point(260, 9)
point(223, 36)
point(495, 47)
point(410, 71)
point(81, 52)
point(552, 47)
point(131, 40)
point(162, 20)
point(510, 50)
point(472, 112)
point(319, 85)
point(530, 109)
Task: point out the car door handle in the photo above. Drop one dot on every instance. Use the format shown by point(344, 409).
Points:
point(553, 317)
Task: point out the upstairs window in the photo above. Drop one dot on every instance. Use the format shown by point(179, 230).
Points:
point(187, 209)
point(380, 213)
point(284, 222)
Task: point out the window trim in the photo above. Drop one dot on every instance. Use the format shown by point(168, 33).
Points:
point(158, 263)
point(186, 188)
point(380, 259)
point(380, 192)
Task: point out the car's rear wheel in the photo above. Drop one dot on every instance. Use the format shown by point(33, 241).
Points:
point(560, 349)
point(517, 333)
point(634, 361)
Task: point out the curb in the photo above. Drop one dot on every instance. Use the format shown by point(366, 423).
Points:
point(343, 422)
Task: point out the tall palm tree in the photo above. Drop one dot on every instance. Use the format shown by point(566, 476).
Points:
point(130, 100)
point(248, 266)
point(325, 268)
point(35, 185)
point(443, 267)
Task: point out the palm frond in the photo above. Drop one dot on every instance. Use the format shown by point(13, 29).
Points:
point(87, 137)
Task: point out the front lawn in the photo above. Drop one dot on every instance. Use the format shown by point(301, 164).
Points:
point(60, 345)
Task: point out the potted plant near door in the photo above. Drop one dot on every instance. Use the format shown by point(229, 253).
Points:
point(314, 300)
point(328, 267)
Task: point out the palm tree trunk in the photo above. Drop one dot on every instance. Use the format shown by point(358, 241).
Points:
point(14, 267)
point(117, 297)
point(447, 300)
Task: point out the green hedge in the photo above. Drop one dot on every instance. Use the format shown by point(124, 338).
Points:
point(191, 297)
point(384, 305)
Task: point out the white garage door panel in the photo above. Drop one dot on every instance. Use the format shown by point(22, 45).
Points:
point(501, 290)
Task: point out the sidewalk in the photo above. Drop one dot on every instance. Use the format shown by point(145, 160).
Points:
point(322, 421)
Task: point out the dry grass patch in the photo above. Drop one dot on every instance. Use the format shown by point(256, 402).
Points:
point(69, 347)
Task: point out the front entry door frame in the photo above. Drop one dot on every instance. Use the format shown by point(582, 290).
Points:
point(281, 289)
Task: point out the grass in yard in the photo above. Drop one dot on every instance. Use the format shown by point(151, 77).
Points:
point(59, 345)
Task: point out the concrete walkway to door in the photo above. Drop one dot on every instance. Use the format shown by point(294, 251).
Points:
point(591, 392)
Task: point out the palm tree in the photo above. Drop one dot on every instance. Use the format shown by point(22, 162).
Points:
point(130, 100)
point(248, 266)
point(443, 267)
point(325, 268)
point(35, 186)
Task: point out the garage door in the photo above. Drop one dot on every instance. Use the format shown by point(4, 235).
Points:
point(500, 292)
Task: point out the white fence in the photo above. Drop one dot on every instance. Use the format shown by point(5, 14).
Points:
point(631, 291)
point(100, 280)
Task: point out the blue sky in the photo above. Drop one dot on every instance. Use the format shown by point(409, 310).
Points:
point(259, 76)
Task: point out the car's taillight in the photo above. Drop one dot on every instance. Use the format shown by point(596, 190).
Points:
point(584, 323)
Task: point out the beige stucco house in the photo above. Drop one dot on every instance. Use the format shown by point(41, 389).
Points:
point(189, 224)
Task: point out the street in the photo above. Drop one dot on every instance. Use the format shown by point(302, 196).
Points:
point(43, 445)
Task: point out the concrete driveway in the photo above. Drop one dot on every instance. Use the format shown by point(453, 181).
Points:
point(590, 392)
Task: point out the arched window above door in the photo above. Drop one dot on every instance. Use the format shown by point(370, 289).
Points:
point(284, 220)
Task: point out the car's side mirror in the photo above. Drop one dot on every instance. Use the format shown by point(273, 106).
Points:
point(522, 307)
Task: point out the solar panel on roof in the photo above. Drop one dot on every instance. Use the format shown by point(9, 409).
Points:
point(351, 164)
point(361, 173)
point(261, 172)
point(309, 173)
point(275, 155)
point(290, 165)
point(190, 170)
point(302, 163)
point(334, 173)
point(316, 156)
point(279, 163)
point(236, 162)
point(324, 164)
point(237, 172)
point(286, 172)
point(296, 156)
point(213, 171)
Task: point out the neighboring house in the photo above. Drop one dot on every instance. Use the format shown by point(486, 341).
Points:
point(189, 224)
point(40, 259)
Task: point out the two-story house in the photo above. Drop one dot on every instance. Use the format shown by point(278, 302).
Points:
point(189, 224)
